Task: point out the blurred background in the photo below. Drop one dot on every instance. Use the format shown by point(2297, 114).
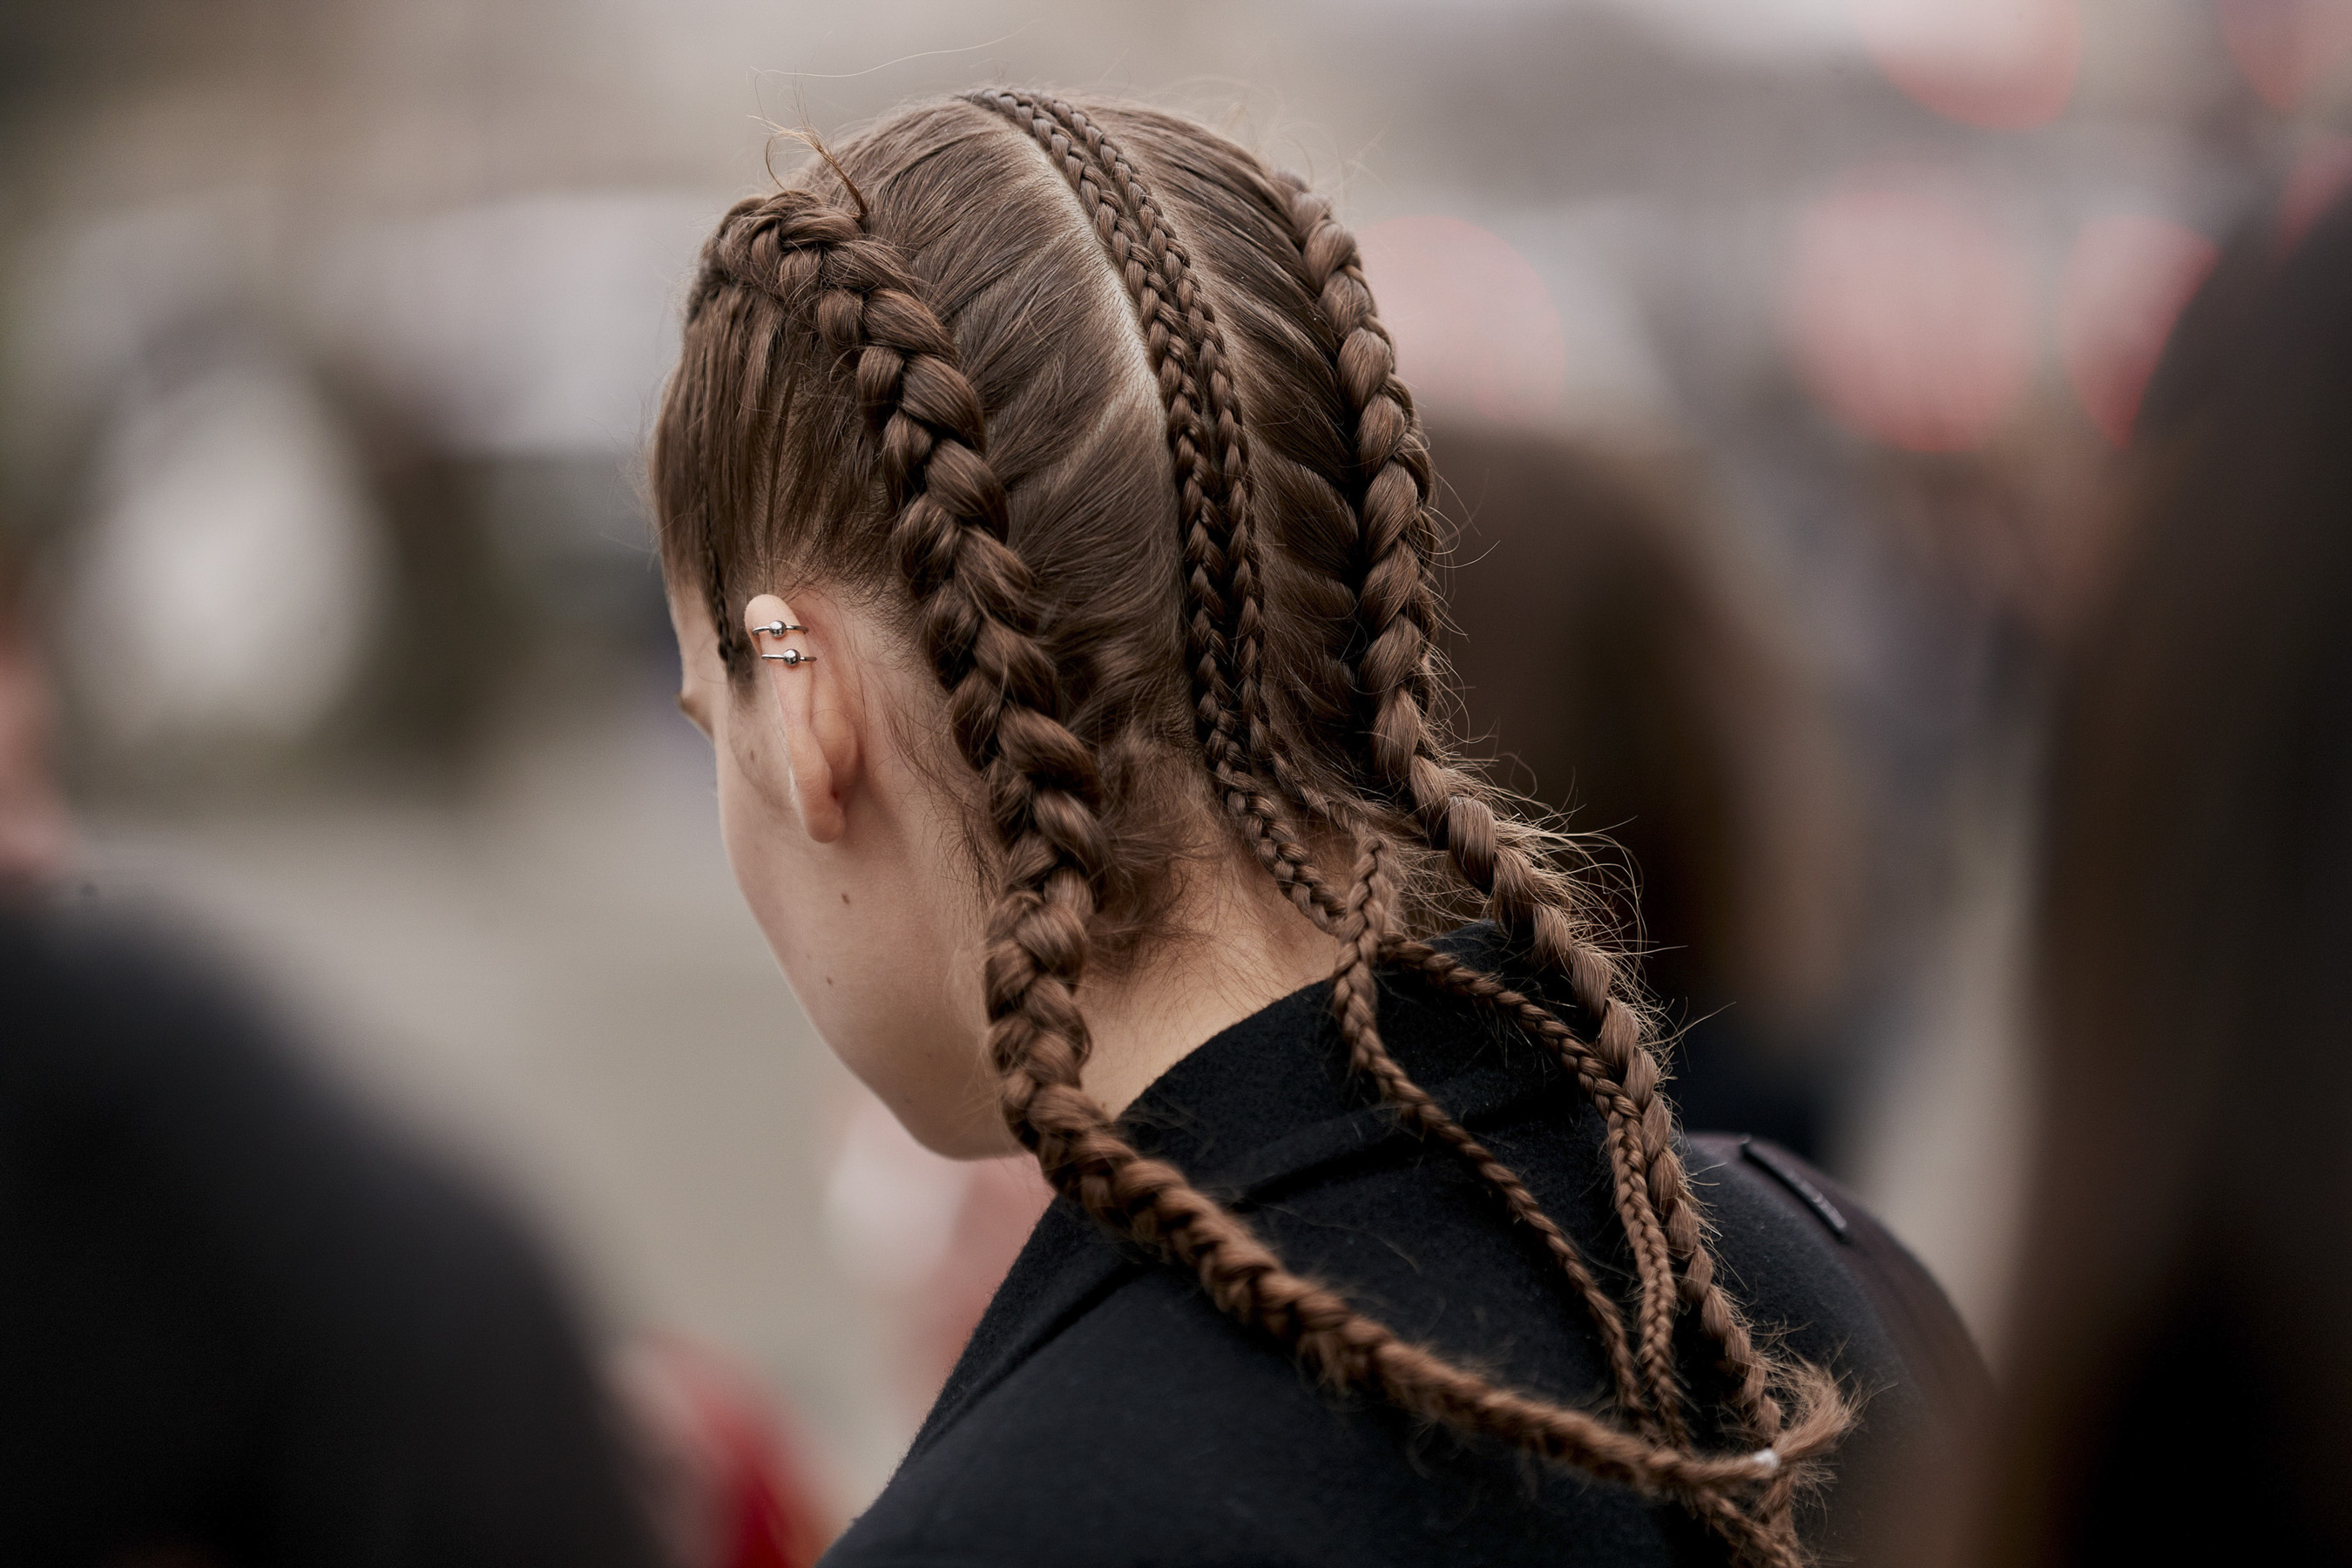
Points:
point(1779, 355)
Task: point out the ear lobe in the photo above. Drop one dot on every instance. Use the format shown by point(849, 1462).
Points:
point(810, 701)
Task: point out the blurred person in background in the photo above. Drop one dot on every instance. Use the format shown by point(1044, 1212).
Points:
point(2181, 1373)
point(246, 1324)
point(243, 1324)
point(1631, 684)
point(1051, 549)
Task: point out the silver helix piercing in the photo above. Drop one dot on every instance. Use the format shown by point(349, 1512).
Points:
point(791, 656)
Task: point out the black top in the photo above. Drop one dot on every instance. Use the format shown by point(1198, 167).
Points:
point(1105, 1411)
point(241, 1323)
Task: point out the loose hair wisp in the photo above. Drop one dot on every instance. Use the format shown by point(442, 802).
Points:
point(1259, 594)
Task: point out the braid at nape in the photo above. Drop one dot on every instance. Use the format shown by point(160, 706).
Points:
point(1180, 325)
point(1398, 608)
point(979, 628)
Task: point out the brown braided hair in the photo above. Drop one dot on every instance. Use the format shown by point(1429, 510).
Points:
point(1097, 594)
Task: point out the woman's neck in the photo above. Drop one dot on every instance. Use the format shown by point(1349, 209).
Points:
point(1240, 946)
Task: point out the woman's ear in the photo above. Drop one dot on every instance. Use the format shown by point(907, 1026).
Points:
point(815, 706)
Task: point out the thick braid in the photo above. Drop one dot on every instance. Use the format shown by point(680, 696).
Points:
point(1179, 321)
point(1398, 608)
point(979, 629)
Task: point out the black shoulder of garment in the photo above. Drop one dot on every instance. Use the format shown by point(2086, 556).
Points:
point(1105, 1411)
point(243, 1323)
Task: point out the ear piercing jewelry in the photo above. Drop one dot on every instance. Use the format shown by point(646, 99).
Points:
point(791, 656)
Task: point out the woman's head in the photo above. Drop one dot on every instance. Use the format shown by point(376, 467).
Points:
point(1067, 442)
point(767, 479)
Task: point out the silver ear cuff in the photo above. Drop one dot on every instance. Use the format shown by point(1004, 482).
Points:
point(791, 656)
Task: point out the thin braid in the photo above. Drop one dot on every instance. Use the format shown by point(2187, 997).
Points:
point(1186, 350)
point(1737, 1357)
point(1175, 318)
point(978, 626)
point(1207, 436)
point(1153, 261)
point(1157, 281)
point(1208, 444)
point(1398, 608)
point(1355, 998)
point(715, 596)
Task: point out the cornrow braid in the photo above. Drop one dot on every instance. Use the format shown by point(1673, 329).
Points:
point(1063, 130)
point(1208, 438)
point(1153, 265)
point(1526, 897)
point(1153, 261)
point(1185, 347)
point(974, 606)
point(796, 292)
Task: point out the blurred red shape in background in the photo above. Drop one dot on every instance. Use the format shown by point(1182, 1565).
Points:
point(2001, 64)
point(732, 1488)
point(1909, 311)
point(2283, 47)
point(1474, 326)
point(2127, 277)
